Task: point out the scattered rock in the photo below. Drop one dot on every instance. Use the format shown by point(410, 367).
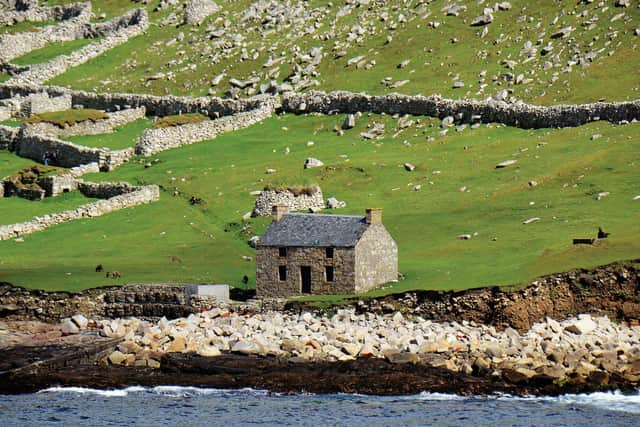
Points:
point(312, 162)
point(506, 163)
point(409, 167)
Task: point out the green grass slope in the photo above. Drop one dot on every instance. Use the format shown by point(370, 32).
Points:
point(173, 241)
point(441, 50)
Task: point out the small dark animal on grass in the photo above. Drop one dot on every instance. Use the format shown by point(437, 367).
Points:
point(245, 279)
point(602, 234)
point(116, 275)
point(99, 268)
point(195, 200)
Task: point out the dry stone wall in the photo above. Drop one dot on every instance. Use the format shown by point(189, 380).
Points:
point(28, 10)
point(72, 27)
point(39, 73)
point(33, 144)
point(302, 202)
point(155, 105)
point(141, 195)
point(519, 115)
point(156, 140)
point(42, 103)
point(8, 137)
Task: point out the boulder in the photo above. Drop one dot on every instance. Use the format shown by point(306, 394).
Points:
point(333, 203)
point(583, 325)
point(506, 163)
point(178, 345)
point(409, 167)
point(398, 358)
point(349, 122)
point(116, 358)
point(484, 19)
point(80, 320)
point(253, 242)
point(208, 350)
point(69, 327)
point(312, 162)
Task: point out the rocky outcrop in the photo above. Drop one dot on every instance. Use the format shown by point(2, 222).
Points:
point(518, 115)
point(141, 195)
point(309, 200)
point(154, 141)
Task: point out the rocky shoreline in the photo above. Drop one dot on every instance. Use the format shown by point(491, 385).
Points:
point(348, 352)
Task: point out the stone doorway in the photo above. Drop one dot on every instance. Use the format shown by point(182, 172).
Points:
point(305, 279)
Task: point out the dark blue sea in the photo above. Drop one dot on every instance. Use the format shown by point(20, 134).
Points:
point(188, 406)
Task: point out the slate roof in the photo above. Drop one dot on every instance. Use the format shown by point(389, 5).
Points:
point(315, 230)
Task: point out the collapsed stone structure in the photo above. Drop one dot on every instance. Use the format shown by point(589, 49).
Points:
point(324, 254)
point(307, 200)
point(196, 11)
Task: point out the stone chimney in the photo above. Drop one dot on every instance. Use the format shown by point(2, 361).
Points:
point(277, 211)
point(374, 216)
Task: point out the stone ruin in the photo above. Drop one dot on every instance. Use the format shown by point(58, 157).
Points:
point(307, 199)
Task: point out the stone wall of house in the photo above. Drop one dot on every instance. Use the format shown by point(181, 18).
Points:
point(155, 105)
point(34, 146)
point(71, 28)
point(58, 184)
point(105, 190)
point(8, 137)
point(141, 195)
point(302, 202)
point(269, 285)
point(39, 73)
point(518, 115)
point(154, 141)
point(376, 259)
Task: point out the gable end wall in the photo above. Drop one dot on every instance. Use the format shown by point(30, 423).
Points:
point(376, 259)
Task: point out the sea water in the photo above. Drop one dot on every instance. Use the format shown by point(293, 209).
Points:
point(190, 406)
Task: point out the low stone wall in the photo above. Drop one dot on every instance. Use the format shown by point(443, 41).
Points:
point(155, 105)
point(518, 115)
point(39, 73)
point(74, 18)
point(156, 140)
point(34, 146)
point(141, 195)
point(28, 10)
point(302, 202)
point(8, 137)
point(105, 190)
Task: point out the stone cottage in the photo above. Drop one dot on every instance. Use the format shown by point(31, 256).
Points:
point(303, 253)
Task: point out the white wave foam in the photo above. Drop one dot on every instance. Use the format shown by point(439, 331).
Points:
point(83, 390)
point(169, 391)
point(437, 396)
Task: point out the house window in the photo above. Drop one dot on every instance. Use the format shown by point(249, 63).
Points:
point(328, 271)
point(329, 252)
point(282, 273)
point(282, 252)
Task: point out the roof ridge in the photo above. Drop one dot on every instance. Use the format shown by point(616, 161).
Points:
point(324, 215)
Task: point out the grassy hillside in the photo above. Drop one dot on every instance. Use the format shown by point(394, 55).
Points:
point(173, 241)
point(454, 190)
point(440, 50)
